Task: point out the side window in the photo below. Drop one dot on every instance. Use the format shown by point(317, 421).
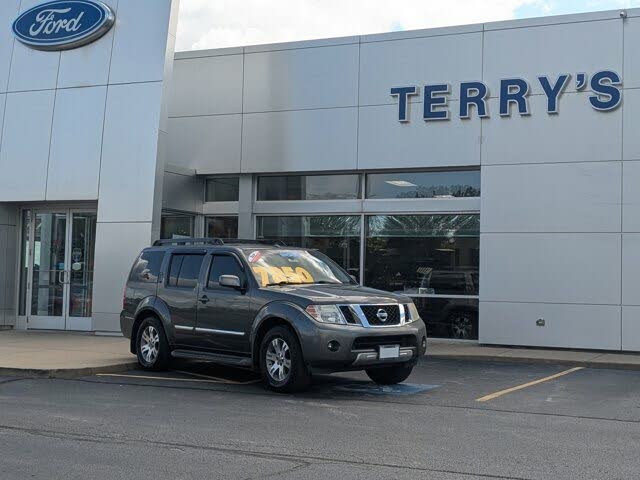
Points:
point(223, 265)
point(190, 271)
point(147, 268)
point(185, 270)
point(174, 270)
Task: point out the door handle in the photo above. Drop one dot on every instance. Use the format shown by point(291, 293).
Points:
point(204, 299)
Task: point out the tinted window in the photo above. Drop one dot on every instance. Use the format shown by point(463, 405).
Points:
point(147, 268)
point(223, 265)
point(309, 187)
point(221, 227)
point(224, 189)
point(190, 271)
point(185, 270)
point(176, 226)
point(452, 184)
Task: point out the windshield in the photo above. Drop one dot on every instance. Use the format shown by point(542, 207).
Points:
point(294, 267)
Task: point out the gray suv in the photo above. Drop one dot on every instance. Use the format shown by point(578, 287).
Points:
point(284, 312)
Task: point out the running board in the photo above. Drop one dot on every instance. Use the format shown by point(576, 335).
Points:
point(213, 357)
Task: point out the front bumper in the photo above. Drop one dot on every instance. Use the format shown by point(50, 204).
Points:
point(358, 347)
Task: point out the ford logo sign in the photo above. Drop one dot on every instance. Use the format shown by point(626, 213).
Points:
point(63, 24)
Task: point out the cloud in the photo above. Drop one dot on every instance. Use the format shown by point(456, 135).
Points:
point(225, 23)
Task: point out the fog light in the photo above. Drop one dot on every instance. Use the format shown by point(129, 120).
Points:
point(424, 343)
point(333, 345)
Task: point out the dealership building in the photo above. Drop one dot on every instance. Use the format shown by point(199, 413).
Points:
point(488, 171)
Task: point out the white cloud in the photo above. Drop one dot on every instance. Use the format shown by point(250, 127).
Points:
point(224, 23)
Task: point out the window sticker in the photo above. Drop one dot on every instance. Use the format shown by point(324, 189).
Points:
point(271, 274)
point(254, 256)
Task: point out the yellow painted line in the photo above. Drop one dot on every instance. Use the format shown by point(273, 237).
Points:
point(149, 377)
point(224, 380)
point(491, 396)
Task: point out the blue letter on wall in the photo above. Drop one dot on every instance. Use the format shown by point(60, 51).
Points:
point(553, 92)
point(605, 87)
point(403, 94)
point(431, 102)
point(473, 93)
point(513, 90)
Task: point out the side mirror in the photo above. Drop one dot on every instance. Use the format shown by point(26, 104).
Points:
point(230, 281)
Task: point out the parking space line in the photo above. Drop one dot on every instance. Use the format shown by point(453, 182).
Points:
point(224, 380)
point(150, 377)
point(491, 396)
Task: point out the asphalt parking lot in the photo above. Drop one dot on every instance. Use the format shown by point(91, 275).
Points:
point(451, 419)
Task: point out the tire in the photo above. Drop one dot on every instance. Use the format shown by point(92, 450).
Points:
point(152, 348)
point(390, 375)
point(281, 362)
point(463, 325)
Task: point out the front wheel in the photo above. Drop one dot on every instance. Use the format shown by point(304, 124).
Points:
point(281, 362)
point(152, 348)
point(389, 375)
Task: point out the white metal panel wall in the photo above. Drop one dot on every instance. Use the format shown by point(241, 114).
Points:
point(86, 124)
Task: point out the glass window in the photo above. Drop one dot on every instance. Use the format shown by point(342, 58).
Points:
point(276, 266)
point(176, 226)
point(24, 261)
point(337, 236)
point(428, 257)
point(423, 254)
point(147, 268)
point(222, 189)
point(459, 183)
point(221, 227)
point(185, 270)
point(223, 265)
point(309, 187)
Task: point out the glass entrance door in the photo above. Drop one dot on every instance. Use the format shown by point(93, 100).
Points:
point(59, 248)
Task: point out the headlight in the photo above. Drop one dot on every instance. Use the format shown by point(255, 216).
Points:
point(326, 314)
point(411, 313)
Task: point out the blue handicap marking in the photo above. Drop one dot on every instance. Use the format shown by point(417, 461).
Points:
point(368, 388)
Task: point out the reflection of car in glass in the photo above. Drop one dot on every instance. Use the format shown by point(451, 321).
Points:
point(449, 317)
point(284, 312)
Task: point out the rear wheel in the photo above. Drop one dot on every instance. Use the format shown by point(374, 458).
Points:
point(152, 348)
point(464, 325)
point(281, 362)
point(390, 375)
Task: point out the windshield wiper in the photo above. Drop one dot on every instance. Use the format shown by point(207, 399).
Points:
point(327, 282)
point(279, 284)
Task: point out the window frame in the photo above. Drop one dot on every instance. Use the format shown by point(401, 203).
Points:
point(359, 185)
point(173, 254)
point(219, 177)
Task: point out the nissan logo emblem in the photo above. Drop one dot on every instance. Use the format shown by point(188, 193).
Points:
point(382, 315)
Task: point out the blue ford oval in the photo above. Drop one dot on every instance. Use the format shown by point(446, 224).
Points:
point(63, 24)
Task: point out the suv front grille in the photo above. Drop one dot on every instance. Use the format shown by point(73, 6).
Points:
point(371, 313)
point(349, 316)
point(368, 343)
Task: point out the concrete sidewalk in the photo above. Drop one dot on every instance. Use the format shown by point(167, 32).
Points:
point(584, 358)
point(64, 354)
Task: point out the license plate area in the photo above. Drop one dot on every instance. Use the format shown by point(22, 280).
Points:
point(389, 351)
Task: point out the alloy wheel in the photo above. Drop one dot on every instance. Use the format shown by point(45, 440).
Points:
point(149, 344)
point(278, 359)
point(461, 326)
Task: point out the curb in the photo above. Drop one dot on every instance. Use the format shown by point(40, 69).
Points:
point(530, 360)
point(66, 372)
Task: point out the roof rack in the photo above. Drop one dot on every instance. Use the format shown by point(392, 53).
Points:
point(216, 241)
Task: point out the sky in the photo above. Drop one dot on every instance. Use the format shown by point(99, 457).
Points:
point(228, 23)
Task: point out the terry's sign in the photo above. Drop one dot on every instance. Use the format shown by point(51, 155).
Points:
point(63, 24)
point(605, 95)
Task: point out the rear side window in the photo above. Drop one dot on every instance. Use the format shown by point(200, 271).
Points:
point(185, 270)
point(147, 268)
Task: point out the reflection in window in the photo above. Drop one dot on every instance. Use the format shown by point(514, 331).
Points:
point(451, 184)
point(309, 187)
point(222, 189)
point(221, 227)
point(449, 317)
point(176, 226)
point(423, 254)
point(337, 236)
